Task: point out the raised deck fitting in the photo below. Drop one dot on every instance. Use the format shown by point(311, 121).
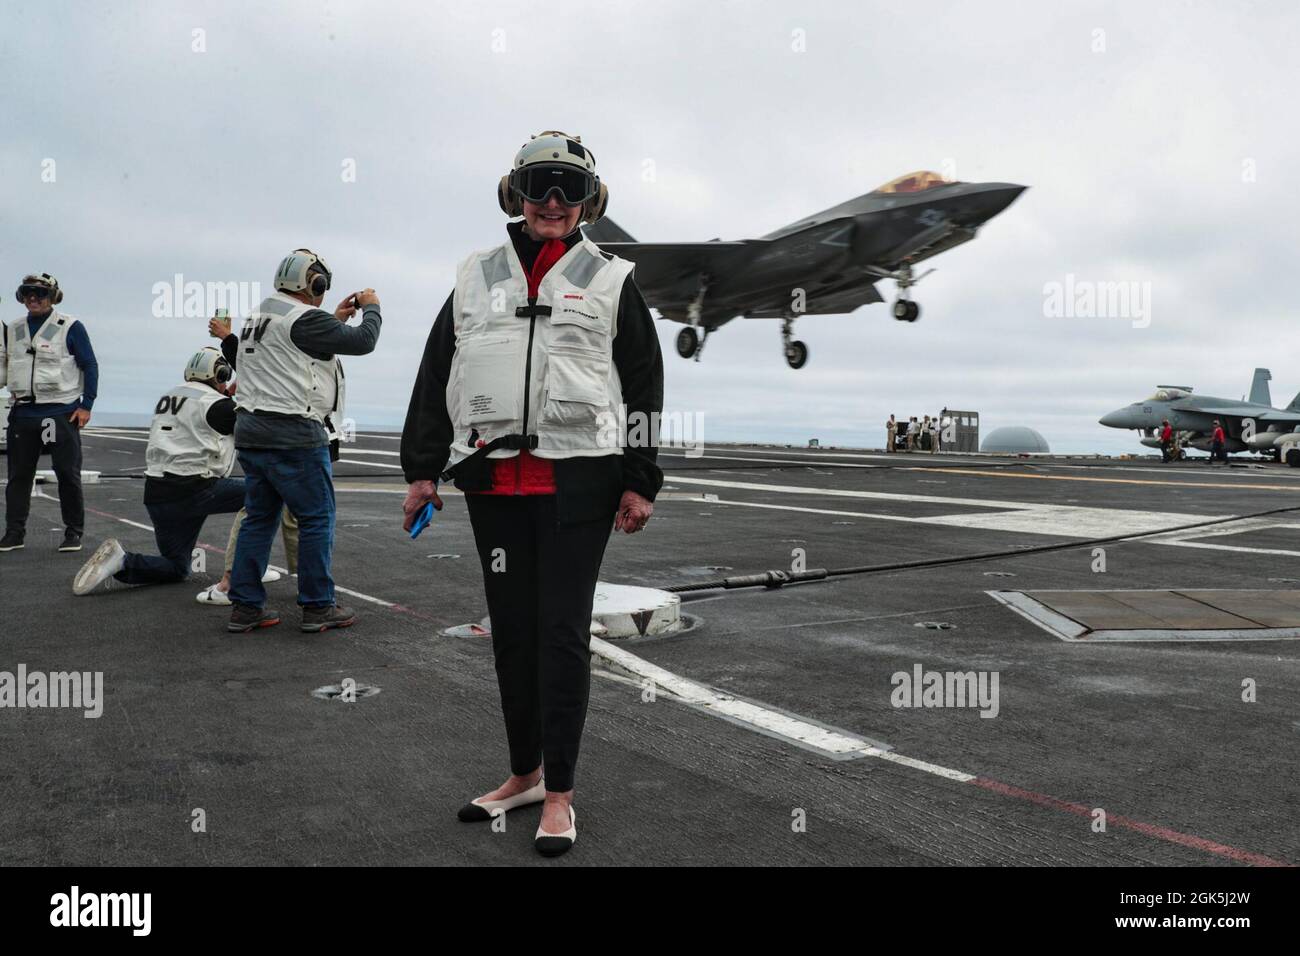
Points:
point(1191, 615)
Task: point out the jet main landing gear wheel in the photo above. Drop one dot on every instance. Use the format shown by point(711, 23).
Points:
point(905, 310)
point(796, 353)
point(688, 342)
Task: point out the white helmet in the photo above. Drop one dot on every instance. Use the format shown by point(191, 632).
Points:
point(210, 366)
point(303, 271)
point(551, 161)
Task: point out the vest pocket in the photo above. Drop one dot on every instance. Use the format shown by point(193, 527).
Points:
point(490, 377)
point(584, 325)
point(576, 386)
point(49, 371)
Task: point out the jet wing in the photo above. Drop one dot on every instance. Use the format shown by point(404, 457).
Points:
point(1227, 411)
point(830, 302)
point(669, 272)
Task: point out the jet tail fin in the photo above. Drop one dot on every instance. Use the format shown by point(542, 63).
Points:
point(1259, 387)
point(1295, 405)
point(606, 230)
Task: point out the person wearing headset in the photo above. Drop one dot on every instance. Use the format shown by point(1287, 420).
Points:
point(47, 360)
point(542, 344)
point(290, 384)
point(188, 461)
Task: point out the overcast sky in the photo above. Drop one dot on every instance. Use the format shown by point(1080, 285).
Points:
point(1158, 139)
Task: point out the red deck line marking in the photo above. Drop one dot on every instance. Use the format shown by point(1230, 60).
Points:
point(1160, 833)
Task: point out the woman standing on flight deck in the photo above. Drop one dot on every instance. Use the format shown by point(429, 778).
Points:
point(519, 391)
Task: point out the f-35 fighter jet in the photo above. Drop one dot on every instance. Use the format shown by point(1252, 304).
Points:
point(826, 264)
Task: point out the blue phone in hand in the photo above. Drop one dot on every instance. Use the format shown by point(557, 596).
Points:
point(422, 520)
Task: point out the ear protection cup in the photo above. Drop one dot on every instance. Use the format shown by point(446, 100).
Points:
point(224, 372)
point(507, 199)
point(319, 284)
point(595, 207)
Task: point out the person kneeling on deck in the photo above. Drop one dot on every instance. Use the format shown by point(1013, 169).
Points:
point(290, 382)
point(187, 477)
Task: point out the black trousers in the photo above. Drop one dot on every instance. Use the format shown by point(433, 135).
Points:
point(540, 579)
point(26, 444)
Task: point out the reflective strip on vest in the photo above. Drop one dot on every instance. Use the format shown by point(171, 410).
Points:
point(274, 374)
point(181, 442)
point(573, 393)
point(44, 368)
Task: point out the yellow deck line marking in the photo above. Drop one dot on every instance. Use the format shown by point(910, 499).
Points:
point(1119, 481)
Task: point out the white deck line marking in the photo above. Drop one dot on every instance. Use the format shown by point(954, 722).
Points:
point(90, 434)
point(1230, 547)
point(372, 464)
point(990, 503)
point(1070, 521)
point(770, 722)
point(931, 768)
point(372, 451)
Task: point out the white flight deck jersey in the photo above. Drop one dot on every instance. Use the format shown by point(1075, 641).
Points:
point(42, 369)
point(277, 376)
point(181, 442)
point(552, 376)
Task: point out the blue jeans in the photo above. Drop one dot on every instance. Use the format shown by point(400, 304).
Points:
point(176, 526)
point(300, 479)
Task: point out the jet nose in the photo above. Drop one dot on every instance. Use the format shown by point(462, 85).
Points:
point(998, 196)
point(1115, 419)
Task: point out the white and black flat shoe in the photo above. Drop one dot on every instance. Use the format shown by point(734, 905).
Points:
point(479, 810)
point(553, 844)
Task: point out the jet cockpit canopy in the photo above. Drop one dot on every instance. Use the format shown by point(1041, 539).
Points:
point(1170, 393)
point(916, 182)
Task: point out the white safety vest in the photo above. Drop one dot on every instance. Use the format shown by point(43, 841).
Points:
point(43, 369)
point(274, 374)
point(334, 392)
point(181, 442)
point(565, 389)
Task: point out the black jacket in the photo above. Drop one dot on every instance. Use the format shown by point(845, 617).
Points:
point(586, 488)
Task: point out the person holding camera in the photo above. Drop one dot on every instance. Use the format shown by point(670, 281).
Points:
point(290, 385)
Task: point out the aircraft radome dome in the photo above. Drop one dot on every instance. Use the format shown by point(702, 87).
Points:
point(1014, 439)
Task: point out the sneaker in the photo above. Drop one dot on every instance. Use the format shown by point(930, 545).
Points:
point(318, 619)
point(71, 542)
point(214, 595)
point(12, 541)
point(245, 618)
point(271, 576)
point(108, 559)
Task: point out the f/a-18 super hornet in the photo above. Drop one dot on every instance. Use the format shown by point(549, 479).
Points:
point(1251, 424)
point(825, 264)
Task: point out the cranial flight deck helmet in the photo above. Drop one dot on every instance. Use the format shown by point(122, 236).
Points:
point(43, 281)
point(303, 271)
point(549, 161)
point(210, 366)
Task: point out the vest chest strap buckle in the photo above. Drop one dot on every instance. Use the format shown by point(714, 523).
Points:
point(531, 311)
